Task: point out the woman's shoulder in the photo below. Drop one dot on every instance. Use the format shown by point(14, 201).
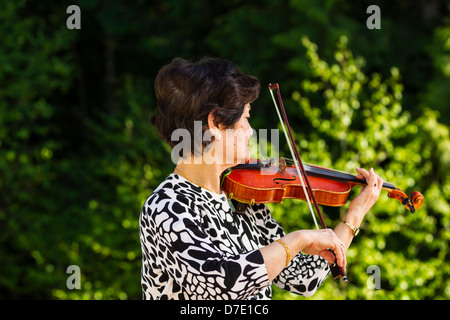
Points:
point(172, 189)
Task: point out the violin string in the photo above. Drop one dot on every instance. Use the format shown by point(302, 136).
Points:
point(327, 172)
point(338, 174)
point(295, 162)
point(335, 269)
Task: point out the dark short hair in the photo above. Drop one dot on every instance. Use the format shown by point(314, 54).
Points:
point(188, 91)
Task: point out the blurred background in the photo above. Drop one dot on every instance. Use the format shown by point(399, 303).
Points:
point(78, 155)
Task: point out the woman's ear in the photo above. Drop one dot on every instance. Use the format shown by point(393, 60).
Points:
point(215, 130)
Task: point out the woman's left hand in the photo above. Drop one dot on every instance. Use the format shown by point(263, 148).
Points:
point(369, 194)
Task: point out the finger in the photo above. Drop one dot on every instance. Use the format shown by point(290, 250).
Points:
point(344, 263)
point(370, 177)
point(340, 256)
point(373, 179)
point(377, 181)
point(380, 183)
point(328, 255)
point(334, 257)
point(363, 174)
point(342, 244)
point(372, 174)
point(337, 248)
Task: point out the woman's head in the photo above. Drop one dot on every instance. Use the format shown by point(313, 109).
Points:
point(207, 90)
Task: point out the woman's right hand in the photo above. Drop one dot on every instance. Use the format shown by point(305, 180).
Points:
point(318, 242)
point(312, 242)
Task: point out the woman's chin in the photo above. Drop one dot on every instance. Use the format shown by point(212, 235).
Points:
point(246, 158)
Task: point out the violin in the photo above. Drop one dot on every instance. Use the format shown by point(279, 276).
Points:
point(254, 183)
point(265, 182)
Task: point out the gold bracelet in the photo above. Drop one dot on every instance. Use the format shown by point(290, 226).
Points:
point(288, 258)
point(354, 229)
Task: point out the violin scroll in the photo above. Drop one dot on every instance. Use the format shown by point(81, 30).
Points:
point(413, 202)
point(417, 199)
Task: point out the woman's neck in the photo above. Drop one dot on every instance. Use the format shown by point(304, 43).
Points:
point(203, 175)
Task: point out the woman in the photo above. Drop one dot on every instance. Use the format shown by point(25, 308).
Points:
point(193, 245)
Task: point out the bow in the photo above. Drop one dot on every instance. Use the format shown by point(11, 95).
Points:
point(336, 271)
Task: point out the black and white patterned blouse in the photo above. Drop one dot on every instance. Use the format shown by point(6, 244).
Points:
point(195, 247)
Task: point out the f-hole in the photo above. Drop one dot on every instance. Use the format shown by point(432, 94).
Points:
point(284, 179)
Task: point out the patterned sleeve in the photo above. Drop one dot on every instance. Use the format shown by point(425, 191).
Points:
point(305, 273)
point(176, 240)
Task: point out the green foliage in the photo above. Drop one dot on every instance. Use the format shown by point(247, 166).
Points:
point(437, 89)
point(78, 156)
point(362, 124)
point(33, 67)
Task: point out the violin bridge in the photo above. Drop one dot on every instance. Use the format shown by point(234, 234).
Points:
point(282, 165)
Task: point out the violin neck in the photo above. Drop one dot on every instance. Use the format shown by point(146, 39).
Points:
point(341, 176)
point(324, 173)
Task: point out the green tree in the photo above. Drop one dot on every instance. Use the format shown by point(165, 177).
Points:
point(34, 69)
point(78, 156)
point(362, 124)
